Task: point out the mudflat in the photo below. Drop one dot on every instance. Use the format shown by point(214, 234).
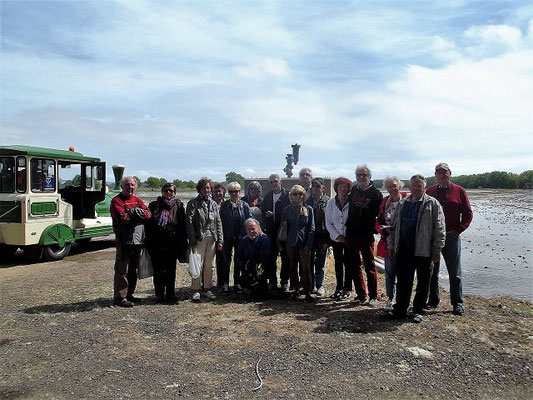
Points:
point(61, 338)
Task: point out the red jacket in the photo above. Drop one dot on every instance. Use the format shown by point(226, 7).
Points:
point(123, 222)
point(382, 244)
point(455, 204)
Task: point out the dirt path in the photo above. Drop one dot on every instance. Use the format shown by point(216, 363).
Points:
point(61, 338)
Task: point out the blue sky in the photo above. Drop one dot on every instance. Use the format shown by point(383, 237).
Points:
point(183, 89)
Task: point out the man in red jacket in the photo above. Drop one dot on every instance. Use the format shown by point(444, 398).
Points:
point(129, 213)
point(458, 215)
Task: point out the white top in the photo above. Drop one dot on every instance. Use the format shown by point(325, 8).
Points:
point(336, 219)
point(275, 198)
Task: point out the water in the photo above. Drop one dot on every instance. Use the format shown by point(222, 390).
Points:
point(497, 257)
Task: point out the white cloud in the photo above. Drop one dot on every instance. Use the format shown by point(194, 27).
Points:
point(492, 40)
point(264, 69)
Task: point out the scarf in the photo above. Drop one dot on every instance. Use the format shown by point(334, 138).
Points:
point(165, 205)
point(299, 208)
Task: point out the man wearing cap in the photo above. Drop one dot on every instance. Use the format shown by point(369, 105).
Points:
point(318, 201)
point(458, 214)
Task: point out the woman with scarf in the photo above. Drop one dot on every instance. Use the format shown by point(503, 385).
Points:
point(166, 241)
point(204, 231)
point(297, 219)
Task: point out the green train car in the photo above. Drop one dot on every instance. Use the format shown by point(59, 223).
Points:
point(49, 199)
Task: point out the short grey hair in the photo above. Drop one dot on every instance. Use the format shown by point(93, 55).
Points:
point(418, 177)
point(251, 221)
point(392, 179)
point(304, 170)
point(364, 167)
point(233, 186)
point(274, 176)
point(128, 178)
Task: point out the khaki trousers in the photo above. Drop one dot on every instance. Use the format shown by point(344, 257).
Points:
point(206, 248)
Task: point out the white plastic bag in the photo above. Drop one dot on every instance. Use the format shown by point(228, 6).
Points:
point(146, 268)
point(195, 264)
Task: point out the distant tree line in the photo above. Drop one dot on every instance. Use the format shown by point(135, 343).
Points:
point(491, 180)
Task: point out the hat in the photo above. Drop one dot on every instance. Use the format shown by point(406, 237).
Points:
point(317, 181)
point(443, 166)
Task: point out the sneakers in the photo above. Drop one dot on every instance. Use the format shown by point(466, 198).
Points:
point(417, 318)
point(389, 306)
point(373, 303)
point(238, 288)
point(430, 307)
point(458, 309)
point(320, 291)
point(225, 289)
point(123, 303)
point(210, 295)
point(345, 295)
point(196, 297)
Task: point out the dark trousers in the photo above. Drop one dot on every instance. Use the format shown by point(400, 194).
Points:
point(299, 260)
point(318, 264)
point(220, 266)
point(230, 248)
point(407, 264)
point(272, 267)
point(126, 265)
point(343, 273)
point(164, 263)
point(358, 247)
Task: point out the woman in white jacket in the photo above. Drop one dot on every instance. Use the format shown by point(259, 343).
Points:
point(336, 215)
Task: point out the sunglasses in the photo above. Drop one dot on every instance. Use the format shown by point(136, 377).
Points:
point(298, 194)
point(361, 175)
point(168, 191)
point(233, 191)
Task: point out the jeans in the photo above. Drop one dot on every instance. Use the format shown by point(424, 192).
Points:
point(390, 276)
point(343, 272)
point(407, 264)
point(318, 264)
point(451, 252)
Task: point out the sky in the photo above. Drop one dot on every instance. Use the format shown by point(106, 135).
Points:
point(185, 89)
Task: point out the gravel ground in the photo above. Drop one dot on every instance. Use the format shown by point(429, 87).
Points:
point(61, 338)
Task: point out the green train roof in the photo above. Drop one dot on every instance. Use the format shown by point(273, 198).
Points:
point(44, 152)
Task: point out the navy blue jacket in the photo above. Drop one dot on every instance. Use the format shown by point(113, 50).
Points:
point(300, 228)
point(227, 219)
point(257, 250)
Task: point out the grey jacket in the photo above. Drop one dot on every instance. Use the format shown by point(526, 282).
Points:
point(430, 227)
point(195, 218)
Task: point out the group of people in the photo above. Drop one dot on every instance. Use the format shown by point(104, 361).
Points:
point(298, 227)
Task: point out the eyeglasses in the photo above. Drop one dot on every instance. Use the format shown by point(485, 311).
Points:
point(271, 182)
point(256, 189)
point(233, 191)
point(168, 190)
point(305, 174)
point(361, 175)
point(298, 194)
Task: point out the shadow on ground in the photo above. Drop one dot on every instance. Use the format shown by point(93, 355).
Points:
point(82, 306)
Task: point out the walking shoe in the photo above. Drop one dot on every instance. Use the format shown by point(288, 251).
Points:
point(389, 306)
point(373, 303)
point(238, 288)
point(313, 291)
point(123, 303)
point(360, 301)
point(458, 309)
point(430, 307)
point(321, 291)
point(417, 318)
point(196, 297)
point(225, 290)
point(171, 299)
point(285, 287)
point(390, 315)
point(309, 298)
point(210, 295)
point(133, 299)
point(345, 295)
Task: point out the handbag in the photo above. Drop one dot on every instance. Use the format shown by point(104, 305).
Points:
point(146, 269)
point(195, 264)
point(282, 234)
